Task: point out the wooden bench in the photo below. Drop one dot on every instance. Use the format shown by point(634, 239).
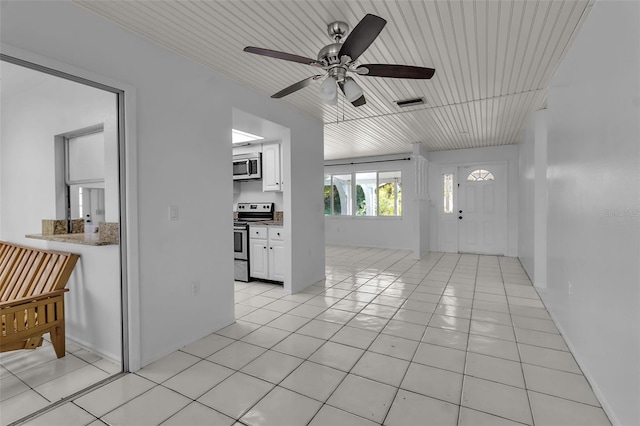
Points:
point(32, 287)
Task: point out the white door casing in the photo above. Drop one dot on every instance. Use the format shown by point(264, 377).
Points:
point(478, 222)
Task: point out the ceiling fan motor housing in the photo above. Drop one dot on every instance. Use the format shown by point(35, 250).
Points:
point(328, 55)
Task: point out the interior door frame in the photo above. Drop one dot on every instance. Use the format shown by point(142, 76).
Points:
point(452, 245)
point(127, 156)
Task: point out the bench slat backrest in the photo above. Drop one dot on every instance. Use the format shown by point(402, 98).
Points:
point(26, 272)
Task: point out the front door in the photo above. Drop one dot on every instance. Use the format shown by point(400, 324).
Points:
point(481, 209)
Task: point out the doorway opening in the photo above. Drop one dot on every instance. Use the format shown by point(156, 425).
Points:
point(62, 149)
point(264, 255)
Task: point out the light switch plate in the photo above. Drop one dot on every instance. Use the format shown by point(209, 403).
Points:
point(173, 213)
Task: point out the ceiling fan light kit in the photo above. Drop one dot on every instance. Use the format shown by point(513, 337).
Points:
point(352, 90)
point(329, 89)
point(339, 58)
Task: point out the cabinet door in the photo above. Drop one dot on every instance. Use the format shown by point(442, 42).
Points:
point(276, 260)
point(271, 167)
point(258, 259)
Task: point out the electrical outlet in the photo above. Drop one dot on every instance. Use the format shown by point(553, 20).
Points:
point(195, 288)
point(569, 287)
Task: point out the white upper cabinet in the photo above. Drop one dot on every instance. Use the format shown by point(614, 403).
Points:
point(271, 173)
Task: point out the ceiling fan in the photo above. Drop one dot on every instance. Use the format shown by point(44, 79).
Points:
point(338, 59)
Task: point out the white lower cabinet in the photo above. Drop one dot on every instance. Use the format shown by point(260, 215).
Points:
point(266, 253)
point(276, 260)
point(259, 264)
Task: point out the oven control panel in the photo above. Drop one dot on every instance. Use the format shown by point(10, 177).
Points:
point(256, 211)
point(255, 207)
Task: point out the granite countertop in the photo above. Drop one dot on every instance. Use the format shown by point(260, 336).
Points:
point(267, 223)
point(84, 239)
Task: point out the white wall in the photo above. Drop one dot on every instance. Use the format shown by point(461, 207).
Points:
point(184, 116)
point(44, 107)
point(251, 192)
point(420, 201)
point(508, 154)
point(526, 198)
point(387, 232)
point(594, 204)
point(533, 199)
point(303, 155)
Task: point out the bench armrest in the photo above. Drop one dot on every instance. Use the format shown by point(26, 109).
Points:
point(33, 298)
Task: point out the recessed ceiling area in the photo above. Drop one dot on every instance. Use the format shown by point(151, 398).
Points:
point(266, 130)
point(493, 61)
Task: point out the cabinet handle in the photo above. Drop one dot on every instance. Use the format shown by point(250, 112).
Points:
point(271, 248)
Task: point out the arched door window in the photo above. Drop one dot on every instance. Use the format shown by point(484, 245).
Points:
point(480, 175)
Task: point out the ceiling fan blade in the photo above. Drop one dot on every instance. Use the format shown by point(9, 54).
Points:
point(395, 71)
point(295, 87)
point(362, 36)
point(358, 102)
point(282, 55)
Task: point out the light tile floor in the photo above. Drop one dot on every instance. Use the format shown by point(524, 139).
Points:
point(385, 339)
point(31, 380)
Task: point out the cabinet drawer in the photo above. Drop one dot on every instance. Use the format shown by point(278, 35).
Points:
point(276, 234)
point(258, 232)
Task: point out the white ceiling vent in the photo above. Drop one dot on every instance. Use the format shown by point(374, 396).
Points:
point(410, 102)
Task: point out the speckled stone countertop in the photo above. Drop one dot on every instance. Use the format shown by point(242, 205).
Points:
point(84, 239)
point(54, 230)
point(267, 223)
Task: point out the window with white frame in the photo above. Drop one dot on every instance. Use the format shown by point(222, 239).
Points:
point(371, 193)
point(447, 179)
point(480, 175)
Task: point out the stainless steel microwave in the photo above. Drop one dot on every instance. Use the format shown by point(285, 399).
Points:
point(247, 166)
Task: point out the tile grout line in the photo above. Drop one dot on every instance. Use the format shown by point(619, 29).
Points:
point(308, 357)
point(418, 346)
point(355, 287)
point(359, 358)
point(406, 298)
point(466, 351)
point(524, 377)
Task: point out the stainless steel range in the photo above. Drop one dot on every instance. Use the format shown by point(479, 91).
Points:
point(247, 213)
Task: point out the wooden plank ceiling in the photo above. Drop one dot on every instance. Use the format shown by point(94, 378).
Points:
point(493, 61)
